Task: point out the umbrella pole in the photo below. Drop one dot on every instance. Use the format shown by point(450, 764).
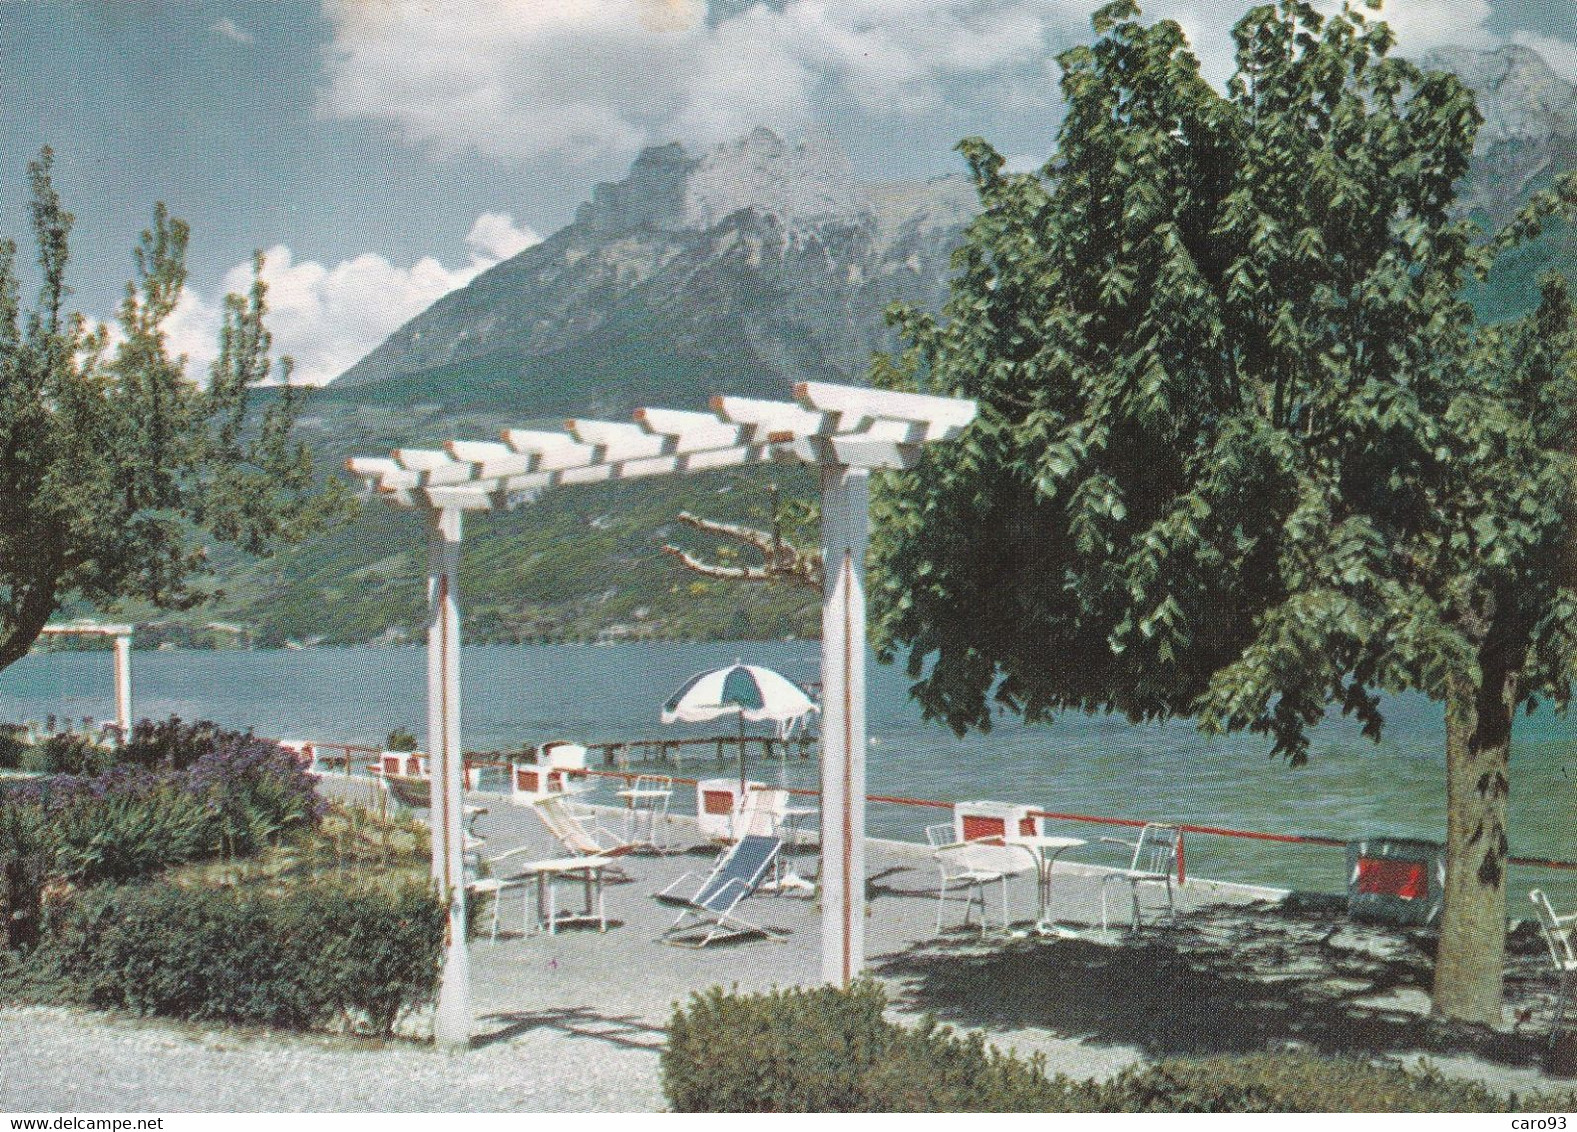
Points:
point(741, 758)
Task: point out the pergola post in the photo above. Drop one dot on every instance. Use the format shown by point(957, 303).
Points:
point(845, 518)
point(123, 685)
point(452, 1020)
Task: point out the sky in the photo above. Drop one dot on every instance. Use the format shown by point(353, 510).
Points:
point(383, 152)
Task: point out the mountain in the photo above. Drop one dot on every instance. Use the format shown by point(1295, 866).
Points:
point(737, 270)
point(756, 264)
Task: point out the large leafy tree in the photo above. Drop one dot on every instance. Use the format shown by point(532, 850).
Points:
point(1243, 453)
point(116, 471)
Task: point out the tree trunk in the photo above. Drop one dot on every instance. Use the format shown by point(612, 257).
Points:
point(1470, 963)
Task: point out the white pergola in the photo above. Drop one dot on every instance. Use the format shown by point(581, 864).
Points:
point(845, 431)
point(122, 635)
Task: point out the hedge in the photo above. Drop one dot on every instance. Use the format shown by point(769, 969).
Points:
point(325, 955)
point(828, 1050)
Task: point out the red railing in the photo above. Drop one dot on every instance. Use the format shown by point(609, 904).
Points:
point(894, 800)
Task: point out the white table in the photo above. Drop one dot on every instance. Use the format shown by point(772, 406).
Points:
point(585, 870)
point(1047, 850)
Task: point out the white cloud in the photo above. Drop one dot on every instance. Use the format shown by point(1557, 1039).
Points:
point(328, 317)
point(592, 81)
point(232, 30)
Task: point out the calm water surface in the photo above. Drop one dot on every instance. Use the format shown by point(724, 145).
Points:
point(1095, 765)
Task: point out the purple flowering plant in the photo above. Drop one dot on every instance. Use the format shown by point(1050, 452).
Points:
point(135, 818)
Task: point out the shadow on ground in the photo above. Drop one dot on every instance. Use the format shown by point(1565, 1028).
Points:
point(624, 1030)
point(1223, 981)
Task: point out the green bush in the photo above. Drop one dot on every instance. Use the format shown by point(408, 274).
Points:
point(67, 753)
point(13, 745)
point(826, 1050)
point(400, 740)
point(328, 954)
point(24, 867)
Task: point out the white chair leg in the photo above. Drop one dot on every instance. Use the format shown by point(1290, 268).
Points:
point(498, 898)
point(1004, 903)
point(1103, 904)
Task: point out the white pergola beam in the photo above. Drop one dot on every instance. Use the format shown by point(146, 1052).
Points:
point(858, 407)
point(767, 417)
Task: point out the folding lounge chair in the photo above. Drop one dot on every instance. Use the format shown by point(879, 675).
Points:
point(710, 913)
point(1560, 933)
point(578, 830)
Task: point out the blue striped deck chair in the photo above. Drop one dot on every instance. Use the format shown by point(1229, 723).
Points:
point(709, 915)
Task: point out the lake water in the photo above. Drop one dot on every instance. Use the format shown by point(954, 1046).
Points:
point(1091, 765)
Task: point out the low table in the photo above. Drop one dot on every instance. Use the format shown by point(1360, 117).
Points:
point(791, 817)
point(586, 871)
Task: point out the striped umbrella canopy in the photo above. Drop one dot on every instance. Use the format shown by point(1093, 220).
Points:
point(753, 693)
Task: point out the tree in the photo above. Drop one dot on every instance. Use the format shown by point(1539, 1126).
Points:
point(1243, 453)
point(115, 469)
point(781, 559)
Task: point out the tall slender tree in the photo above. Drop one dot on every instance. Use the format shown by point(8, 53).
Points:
point(1243, 452)
point(116, 471)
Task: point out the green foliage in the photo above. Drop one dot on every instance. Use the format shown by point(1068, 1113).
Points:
point(828, 1050)
point(229, 795)
point(129, 835)
point(24, 866)
point(1300, 1083)
point(172, 744)
point(67, 752)
point(13, 745)
point(400, 740)
point(1243, 453)
point(341, 954)
point(114, 467)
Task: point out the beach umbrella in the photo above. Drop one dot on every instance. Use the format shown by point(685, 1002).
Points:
point(748, 691)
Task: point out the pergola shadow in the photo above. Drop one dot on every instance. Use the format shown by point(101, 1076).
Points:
point(1221, 982)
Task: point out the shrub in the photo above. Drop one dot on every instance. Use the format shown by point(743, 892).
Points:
point(400, 740)
point(327, 954)
point(67, 753)
point(13, 745)
point(826, 1050)
point(131, 821)
point(1298, 1082)
point(24, 866)
point(172, 744)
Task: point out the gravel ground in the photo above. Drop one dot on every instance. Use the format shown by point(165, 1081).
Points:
point(58, 1060)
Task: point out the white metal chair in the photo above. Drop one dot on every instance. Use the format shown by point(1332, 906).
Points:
point(968, 867)
point(1560, 933)
point(484, 879)
point(1154, 861)
point(646, 809)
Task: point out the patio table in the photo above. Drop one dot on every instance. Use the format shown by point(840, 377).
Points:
point(1047, 850)
point(585, 870)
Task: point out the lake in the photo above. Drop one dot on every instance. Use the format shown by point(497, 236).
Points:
point(515, 694)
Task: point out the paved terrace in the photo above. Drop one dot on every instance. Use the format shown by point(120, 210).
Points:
point(1244, 969)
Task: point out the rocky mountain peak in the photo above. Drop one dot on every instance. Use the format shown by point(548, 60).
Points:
point(1519, 94)
point(809, 180)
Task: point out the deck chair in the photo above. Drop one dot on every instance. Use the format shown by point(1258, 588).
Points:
point(577, 829)
point(1154, 861)
point(710, 914)
point(1560, 933)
